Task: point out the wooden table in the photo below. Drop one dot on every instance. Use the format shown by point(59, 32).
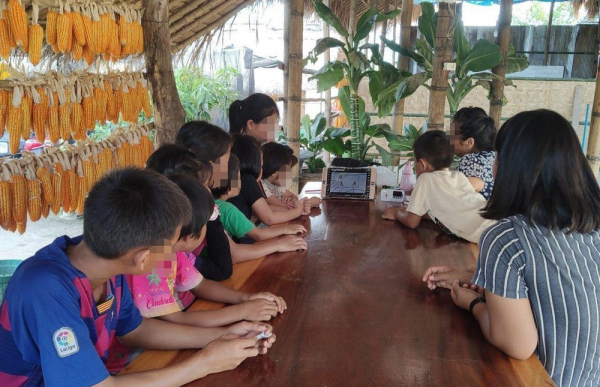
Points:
point(359, 315)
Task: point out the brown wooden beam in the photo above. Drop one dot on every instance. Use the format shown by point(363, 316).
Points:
point(296, 33)
point(593, 148)
point(443, 54)
point(191, 7)
point(503, 41)
point(405, 31)
point(202, 16)
point(548, 33)
point(169, 115)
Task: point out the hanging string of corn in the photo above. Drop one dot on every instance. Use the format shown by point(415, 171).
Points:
point(61, 178)
point(61, 107)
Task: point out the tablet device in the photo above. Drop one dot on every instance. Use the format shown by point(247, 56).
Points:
point(349, 183)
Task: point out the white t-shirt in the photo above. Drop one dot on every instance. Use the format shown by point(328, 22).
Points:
point(451, 201)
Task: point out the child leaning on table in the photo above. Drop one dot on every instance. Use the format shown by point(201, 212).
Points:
point(278, 161)
point(64, 306)
point(238, 226)
point(444, 196)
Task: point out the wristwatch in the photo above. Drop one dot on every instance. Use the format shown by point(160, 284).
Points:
point(475, 302)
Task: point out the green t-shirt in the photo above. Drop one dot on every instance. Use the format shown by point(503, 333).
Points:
point(234, 221)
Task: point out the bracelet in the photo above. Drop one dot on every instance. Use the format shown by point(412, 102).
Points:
point(475, 302)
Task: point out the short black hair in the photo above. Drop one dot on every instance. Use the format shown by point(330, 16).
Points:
point(543, 174)
point(434, 146)
point(276, 156)
point(232, 174)
point(202, 202)
point(131, 208)
point(207, 141)
point(256, 107)
point(174, 159)
point(247, 149)
point(476, 124)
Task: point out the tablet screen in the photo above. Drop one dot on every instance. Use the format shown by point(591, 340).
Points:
point(348, 182)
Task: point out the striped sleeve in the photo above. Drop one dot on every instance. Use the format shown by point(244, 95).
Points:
point(501, 262)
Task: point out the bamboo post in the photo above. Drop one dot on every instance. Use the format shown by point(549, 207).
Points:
point(405, 32)
point(593, 149)
point(352, 17)
point(503, 41)
point(443, 54)
point(327, 58)
point(548, 34)
point(386, 8)
point(286, 63)
point(296, 15)
point(169, 115)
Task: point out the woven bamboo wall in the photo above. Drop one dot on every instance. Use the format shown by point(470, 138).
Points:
point(528, 95)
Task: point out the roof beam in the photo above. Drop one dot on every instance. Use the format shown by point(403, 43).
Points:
point(202, 14)
point(201, 6)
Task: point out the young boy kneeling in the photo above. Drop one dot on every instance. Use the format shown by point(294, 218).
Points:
point(63, 306)
point(444, 196)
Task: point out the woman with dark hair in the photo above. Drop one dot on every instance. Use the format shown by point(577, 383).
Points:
point(539, 266)
point(256, 116)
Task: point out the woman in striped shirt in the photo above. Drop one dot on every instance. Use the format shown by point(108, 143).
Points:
point(539, 266)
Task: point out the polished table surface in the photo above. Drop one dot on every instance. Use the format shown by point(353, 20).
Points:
point(359, 314)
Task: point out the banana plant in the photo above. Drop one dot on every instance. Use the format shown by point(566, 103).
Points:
point(473, 64)
point(354, 68)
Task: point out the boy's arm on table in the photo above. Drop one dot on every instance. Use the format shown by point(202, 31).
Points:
point(408, 219)
point(217, 292)
point(245, 252)
point(269, 217)
point(266, 233)
point(276, 203)
point(506, 323)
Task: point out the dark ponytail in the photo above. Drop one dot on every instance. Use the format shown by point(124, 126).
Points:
point(256, 107)
point(476, 124)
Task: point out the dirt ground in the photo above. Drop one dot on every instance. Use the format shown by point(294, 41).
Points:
point(37, 235)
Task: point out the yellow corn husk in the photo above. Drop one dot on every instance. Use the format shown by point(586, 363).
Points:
point(64, 121)
point(15, 129)
point(78, 28)
point(90, 41)
point(6, 203)
point(5, 47)
point(57, 186)
point(53, 122)
point(88, 55)
point(64, 31)
point(44, 177)
point(34, 204)
point(3, 110)
point(81, 196)
point(51, 21)
point(39, 116)
point(36, 41)
point(77, 51)
point(20, 198)
point(18, 22)
point(77, 129)
point(26, 106)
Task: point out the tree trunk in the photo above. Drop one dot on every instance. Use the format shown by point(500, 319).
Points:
point(405, 31)
point(443, 54)
point(286, 62)
point(296, 15)
point(593, 149)
point(169, 115)
point(548, 34)
point(503, 41)
point(327, 58)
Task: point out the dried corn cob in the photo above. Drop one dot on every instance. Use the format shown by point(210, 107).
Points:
point(123, 30)
point(36, 41)
point(89, 172)
point(77, 51)
point(6, 203)
point(88, 55)
point(44, 177)
point(57, 186)
point(21, 227)
point(11, 38)
point(75, 183)
point(51, 21)
point(90, 39)
point(15, 128)
point(5, 47)
point(104, 38)
point(20, 198)
point(114, 45)
point(77, 128)
point(87, 104)
point(64, 31)
point(26, 106)
point(18, 22)
point(34, 204)
point(4, 101)
point(78, 28)
point(40, 113)
point(45, 209)
point(81, 196)
point(64, 121)
point(53, 122)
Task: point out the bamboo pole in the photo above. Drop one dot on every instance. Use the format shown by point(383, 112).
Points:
point(386, 8)
point(443, 54)
point(296, 17)
point(169, 115)
point(193, 7)
point(352, 18)
point(405, 32)
point(503, 41)
point(286, 58)
point(327, 58)
point(201, 14)
point(593, 149)
point(548, 33)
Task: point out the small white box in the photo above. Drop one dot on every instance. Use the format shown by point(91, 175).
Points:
point(449, 66)
point(392, 195)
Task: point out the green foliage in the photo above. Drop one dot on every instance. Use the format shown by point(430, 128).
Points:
point(201, 94)
point(538, 15)
point(473, 64)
